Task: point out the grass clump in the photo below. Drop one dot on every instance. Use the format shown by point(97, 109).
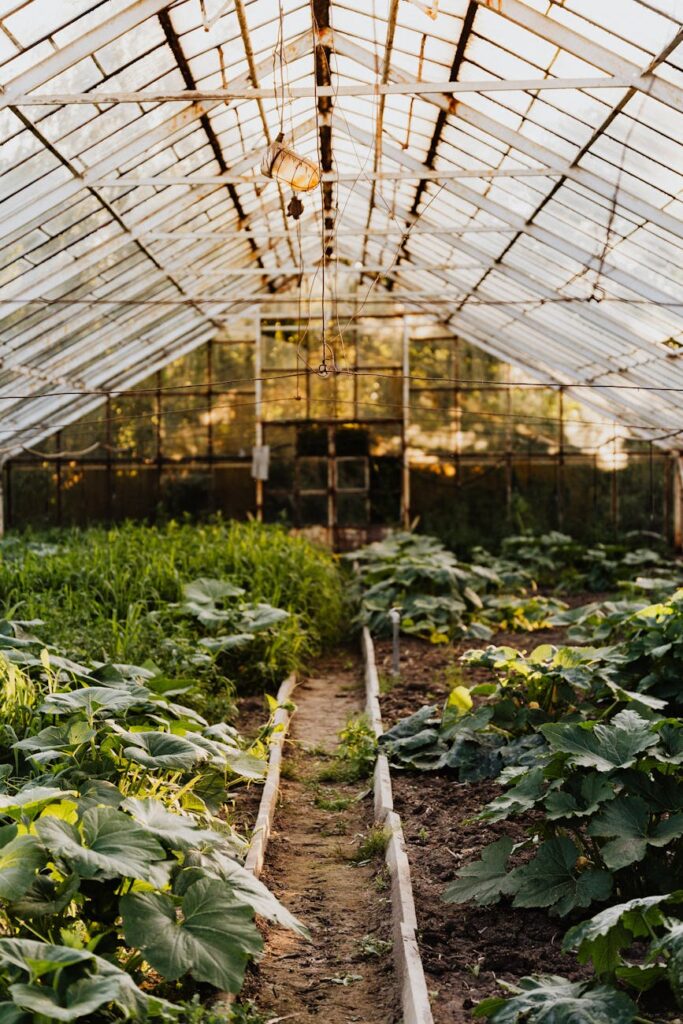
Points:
point(373, 845)
point(335, 804)
point(354, 758)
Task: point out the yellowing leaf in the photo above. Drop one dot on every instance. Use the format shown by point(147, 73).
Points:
point(460, 698)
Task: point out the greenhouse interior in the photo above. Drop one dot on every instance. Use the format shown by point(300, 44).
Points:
point(341, 511)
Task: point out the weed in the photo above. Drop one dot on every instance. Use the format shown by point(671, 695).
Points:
point(387, 682)
point(373, 845)
point(355, 756)
point(317, 750)
point(106, 595)
point(370, 946)
point(194, 1012)
point(335, 804)
point(290, 772)
point(382, 879)
point(423, 834)
point(247, 1013)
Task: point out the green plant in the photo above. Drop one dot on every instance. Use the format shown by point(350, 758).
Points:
point(371, 946)
point(372, 845)
point(611, 795)
point(549, 999)
point(333, 803)
point(354, 757)
point(112, 850)
point(109, 595)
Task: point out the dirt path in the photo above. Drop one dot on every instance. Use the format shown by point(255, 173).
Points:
point(346, 973)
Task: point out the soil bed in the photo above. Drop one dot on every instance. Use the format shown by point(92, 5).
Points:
point(467, 949)
point(464, 949)
point(346, 973)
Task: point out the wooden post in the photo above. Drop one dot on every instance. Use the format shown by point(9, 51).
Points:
point(109, 475)
point(677, 501)
point(508, 446)
point(332, 485)
point(2, 497)
point(159, 434)
point(405, 460)
point(209, 425)
point(258, 400)
point(559, 465)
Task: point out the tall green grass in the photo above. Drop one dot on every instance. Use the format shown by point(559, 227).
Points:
point(105, 593)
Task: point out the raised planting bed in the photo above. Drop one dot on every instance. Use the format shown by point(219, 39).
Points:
point(468, 950)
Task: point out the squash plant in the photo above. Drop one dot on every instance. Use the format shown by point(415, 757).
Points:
point(440, 598)
point(113, 859)
point(611, 797)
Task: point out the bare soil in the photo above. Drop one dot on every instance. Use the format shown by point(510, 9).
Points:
point(336, 979)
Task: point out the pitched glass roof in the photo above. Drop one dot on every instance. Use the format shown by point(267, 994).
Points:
point(535, 208)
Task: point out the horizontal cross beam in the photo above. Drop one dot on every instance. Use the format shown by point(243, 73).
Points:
point(202, 180)
point(412, 88)
point(445, 232)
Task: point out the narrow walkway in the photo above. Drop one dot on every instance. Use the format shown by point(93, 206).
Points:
point(346, 973)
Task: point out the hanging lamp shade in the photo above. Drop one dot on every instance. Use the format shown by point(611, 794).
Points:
point(287, 167)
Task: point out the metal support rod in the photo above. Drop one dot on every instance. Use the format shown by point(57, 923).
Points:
point(614, 489)
point(58, 474)
point(328, 177)
point(258, 409)
point(405, 458)
point(508, 447)
point(209, 422)
point(395, 616)
point(159, 432)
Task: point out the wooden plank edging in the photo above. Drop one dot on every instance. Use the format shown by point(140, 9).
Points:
point(264, 819)
point(266, 812)
point(414, 995)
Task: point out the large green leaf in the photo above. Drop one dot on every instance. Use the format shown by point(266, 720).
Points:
point(552, 880)
point(627, 819)
point(81, 998)
point(580, 797)
point(226, 643)
point(549, 999)
point(46, 896)
point(256, 617)
point(39, 958)
point(161, 750)
point(206, 591)
point(28, 801)
point(601, 937)
point(518, 798)
point(603, 747)
point(247, 889)
point(106, 844)
point(11, 1014)
point(485, 880)
point(20, 857)
point(95, 700)
point(176, 831)
point(212, 940)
